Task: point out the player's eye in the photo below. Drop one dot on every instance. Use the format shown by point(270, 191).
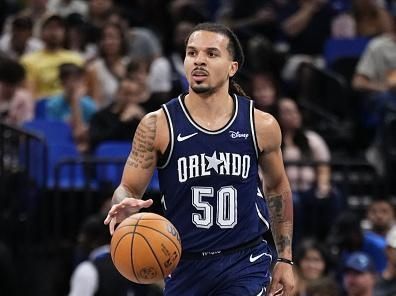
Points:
point(191, 53)
point(212, 54)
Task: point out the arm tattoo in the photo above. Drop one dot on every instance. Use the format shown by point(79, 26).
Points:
point(120, 194)
point(142, 155)
point(281, 214)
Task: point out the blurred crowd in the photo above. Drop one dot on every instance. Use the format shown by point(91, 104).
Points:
point(101, 65)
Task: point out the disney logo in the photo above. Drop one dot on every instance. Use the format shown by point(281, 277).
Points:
point(238, 135)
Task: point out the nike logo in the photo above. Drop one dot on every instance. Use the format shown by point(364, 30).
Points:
point(261, 292)
point(180, 138)
point(254, 259)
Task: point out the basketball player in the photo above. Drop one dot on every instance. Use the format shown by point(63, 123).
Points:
point(208, 145)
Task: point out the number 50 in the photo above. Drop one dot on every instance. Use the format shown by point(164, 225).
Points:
point(226, 216)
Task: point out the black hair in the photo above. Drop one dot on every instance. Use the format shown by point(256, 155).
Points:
point(299, 137)
point(311, 244)
point(11, 72)
point(22, 22)
point(67, 70)
point(234, 47)
point(121, 30)
point(54, 18)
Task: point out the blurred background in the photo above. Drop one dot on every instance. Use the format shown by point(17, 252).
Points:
point(76, 77)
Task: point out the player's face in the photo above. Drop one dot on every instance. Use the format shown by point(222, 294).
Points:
point(208, 63)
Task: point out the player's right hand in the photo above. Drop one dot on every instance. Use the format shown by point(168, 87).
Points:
point(124, 209)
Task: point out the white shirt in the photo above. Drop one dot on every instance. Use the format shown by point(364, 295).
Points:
point(85, 278)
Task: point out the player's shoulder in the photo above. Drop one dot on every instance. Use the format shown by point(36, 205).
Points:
point(264, 120)
point(267, 130)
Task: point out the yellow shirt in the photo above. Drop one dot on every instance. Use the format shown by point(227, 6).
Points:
point(42, 70)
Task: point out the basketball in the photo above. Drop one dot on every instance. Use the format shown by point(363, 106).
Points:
point(145, 248)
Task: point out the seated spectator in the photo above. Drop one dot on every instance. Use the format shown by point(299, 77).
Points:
point(375, 79)
point(16, 103)
point(386, 285)
point(42, 66)
point(359, 275)
point(265, 92)
point(306, 24)
point(120, 119)
point(250, 18)
point(109, 67)
point(72, 105)
point(76, 37)
point(371, 19)
point(146, 46)
point(315, 201)
point(36, 10)
point(381, 216)
point(20, 40)
point(311, 264)
point(346, 236)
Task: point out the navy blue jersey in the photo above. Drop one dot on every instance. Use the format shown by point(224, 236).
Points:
point(209, 180)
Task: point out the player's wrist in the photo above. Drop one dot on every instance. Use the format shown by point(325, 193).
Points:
point(285, 260)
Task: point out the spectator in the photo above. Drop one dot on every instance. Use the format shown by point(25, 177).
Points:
point(20, 40)
point(374, 78)
point(98, 14)
point(371, 19)
point(16, 103)
point(386, 285)
point(381, 216)
point(145, 45)
point(37, 10)
point(72, 105)
point(42, 66)
point(314, 200)
point(265, 92)
point(359, 275)
point(120, 119)
point(76, 37)
point(346, 236)
point(311, 264)
point(250, 18)
point(306, 25)
point(110, 66)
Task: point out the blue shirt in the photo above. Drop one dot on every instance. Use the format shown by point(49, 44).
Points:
point(57, 108)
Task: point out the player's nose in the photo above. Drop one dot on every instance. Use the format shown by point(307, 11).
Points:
point(200, 59)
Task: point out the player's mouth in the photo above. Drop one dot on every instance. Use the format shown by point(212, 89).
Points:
point(199, 74)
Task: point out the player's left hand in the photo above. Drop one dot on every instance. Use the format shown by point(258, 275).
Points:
point(282, 282)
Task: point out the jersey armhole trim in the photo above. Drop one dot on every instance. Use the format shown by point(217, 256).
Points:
point(253, 129)
point(171, 138)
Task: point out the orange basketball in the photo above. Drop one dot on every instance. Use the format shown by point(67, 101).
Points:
point(145, 248)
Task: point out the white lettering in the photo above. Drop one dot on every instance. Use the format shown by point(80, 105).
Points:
point(245, 166)
point(236, 164)
point(182, 169)
point(237, 134)
point(225, 166)
point(194, 166)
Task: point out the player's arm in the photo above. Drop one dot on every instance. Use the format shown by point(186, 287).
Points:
point(279, 198)
point(149, 141)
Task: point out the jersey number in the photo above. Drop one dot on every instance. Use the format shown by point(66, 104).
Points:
point(226, 216)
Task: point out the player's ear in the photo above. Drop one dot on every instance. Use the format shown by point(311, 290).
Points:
point(233, 68)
